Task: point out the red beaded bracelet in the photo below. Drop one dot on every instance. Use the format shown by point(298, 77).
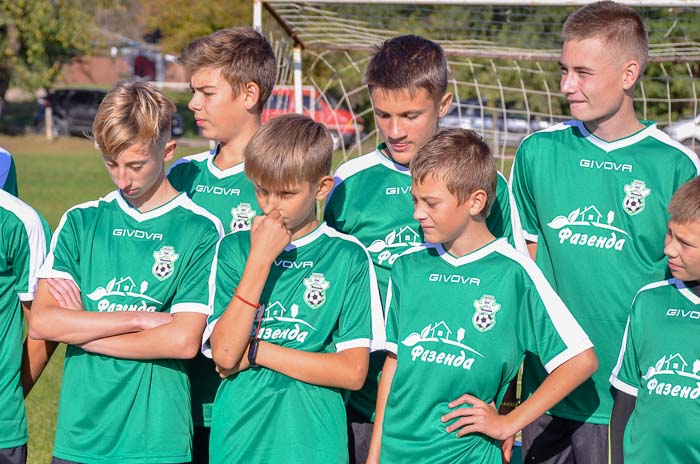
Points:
point(249, 303)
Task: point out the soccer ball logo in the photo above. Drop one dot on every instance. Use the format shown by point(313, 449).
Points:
point(485, 313)
point(315, 294)
point(242, 217)
point(164, 262)
point(634, 201)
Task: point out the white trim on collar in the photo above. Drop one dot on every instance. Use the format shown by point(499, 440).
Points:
point(154, 213)
point(469, 257)
point(616, 144)
point(308, 238)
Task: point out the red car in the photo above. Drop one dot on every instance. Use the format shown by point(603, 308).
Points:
point(343, 126)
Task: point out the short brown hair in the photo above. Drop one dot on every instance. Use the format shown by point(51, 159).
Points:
point(616, 25)
point(241, 53)
point(132, 112)
point(685, 203)
point(289, 149)
point(462, 160)
point(408, 63)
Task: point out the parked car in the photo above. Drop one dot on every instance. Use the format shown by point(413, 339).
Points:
point(74, 111)
point(686, 131)
point(489, 121)
point(341, 124)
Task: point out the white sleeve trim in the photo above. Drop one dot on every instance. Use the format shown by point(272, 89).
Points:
point(356, 343)
point(206, 346)
point(623, 387)
point(530, 237)
point(26, 296)
point(392, 348)
point(567, 354)
point(46, 272)
point(190, 308)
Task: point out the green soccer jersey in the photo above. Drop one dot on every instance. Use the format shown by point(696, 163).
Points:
point(321, 296)
point(23, 244)
point(115, 410)
point(597, 211)
point(371, 200)
point(230, 196)
point(503, 307)
point(8, 174)
point(659, 363)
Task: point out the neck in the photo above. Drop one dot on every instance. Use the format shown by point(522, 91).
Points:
point(693, 286)
point(305, 228)
point(157, 196)
point(616, 126)
point(475, 236)
point(231, 151)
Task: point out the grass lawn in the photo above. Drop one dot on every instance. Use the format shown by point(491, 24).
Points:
point(54, 176)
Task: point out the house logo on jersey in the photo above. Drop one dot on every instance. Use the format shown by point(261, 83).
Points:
point(119, 288)
point(315, 294)
point(296, 327)
point(401, 237)
point(673, 376)
point(588, 227)
point(164, 262)
point(242, 217)
point(441, 334)
point(636, 192)
point(485, 313)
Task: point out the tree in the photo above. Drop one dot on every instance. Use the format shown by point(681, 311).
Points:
point(178, 22)
point(38, 36)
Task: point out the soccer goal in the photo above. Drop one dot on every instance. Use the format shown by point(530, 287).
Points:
point(502, 55)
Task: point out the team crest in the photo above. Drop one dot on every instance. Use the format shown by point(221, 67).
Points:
point(634, 201)
point(485, 313)
point(242, 217)
point(165, 261)
point(315, 294)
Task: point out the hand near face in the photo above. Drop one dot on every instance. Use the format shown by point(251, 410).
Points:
point(269, 236)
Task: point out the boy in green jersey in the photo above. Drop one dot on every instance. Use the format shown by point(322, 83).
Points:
point(317, 304)
point(462, 311)
point(125, 286)
point(591, 193)
point(656, 416)
point(24, 240)
point(232, 72)
point(407, 80)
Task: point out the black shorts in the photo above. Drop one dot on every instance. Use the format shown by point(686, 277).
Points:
point(16, 455)
point(555, 440)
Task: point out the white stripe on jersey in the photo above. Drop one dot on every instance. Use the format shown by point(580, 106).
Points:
point(665, 138)
point(569, 330)
point(209, 329)
point(36, 239)
point(617, 383)
point(519, 235)
point(187, 159)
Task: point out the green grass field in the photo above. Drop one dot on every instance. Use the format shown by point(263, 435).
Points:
point(54, 176)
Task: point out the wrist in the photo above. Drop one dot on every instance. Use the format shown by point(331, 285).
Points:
point(253, 348)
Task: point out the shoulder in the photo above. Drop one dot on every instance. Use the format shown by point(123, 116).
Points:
point(416, 253)
point(188, 161)
point(556, 132)
point(21, 212)
point(674, 148)
point(520, 264)
point(661, 287)
point(344, 243)
point(234, 244)
point(357, 166)
point(200, 214)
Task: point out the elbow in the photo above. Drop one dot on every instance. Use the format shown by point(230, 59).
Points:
point(187, 346)
point(222, 357)
point(357, 377)
point(590, 361)
point(39, 329)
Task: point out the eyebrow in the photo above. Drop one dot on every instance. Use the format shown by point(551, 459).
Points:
point(576, 68)
point(202, 87)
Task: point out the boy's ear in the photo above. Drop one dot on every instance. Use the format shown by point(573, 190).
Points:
point(477, 200)
point(252, 95)
point(445, 103)
point(169, 151)
point(632, 71)
point(325, 185)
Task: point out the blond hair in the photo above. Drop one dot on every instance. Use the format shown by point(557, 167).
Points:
point(132, 112)
point(408, 63)
point(685, 203)
point(462, 161)
point(242, 55)
point(287, 150)
point(617, 26)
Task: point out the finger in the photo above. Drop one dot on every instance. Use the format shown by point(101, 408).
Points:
point(461, 424)
point(58, 297)
point(465, 399)
point(457, 413)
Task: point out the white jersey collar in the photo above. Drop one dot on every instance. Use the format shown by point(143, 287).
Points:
point(154, 213)
point(616, 144)
point(219, 173)
point(686, 292)
point(469, 257)
point(308, 238)
point(388, 162)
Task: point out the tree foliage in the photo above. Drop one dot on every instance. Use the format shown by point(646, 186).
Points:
point(38, 36)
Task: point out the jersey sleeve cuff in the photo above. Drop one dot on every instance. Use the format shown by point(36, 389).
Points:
point(530, 237)
point(623, 387)
point(392, 347)
point(50, 273)
point(356, 343)
point(190, 308)
point(567, 354)
point(377, 345)
point(26, 296)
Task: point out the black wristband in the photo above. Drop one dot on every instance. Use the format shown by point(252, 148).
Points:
point(253, 351)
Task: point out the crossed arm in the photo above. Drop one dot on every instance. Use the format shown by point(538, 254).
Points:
point(58, 316)
point(231, 335)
